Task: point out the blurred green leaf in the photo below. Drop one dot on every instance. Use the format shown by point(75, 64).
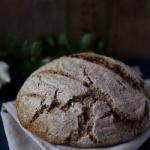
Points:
point(13, 45)
point(28, 66)
point(100, 47)
point(25, 50)
point(35, 51)
point(87, 42)
point(64, 43)
point(50, 42)
point(31, 51)
point(46, 48)
point(49, 46)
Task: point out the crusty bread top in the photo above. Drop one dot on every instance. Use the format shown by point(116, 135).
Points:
point(85, 100)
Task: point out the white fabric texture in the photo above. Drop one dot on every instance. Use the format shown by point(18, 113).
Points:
point(4, 73)
point(21, 139)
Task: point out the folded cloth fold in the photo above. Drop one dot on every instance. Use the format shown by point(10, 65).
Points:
point(21, 139)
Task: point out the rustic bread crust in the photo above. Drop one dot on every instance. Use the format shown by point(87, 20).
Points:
point(85, 100)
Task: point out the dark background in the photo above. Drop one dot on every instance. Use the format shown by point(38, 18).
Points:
point(124, 25)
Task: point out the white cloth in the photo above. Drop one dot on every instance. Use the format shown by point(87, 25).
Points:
point(4, 73)
point(20, 139)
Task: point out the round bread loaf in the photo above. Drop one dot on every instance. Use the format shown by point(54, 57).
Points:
point(84, 100)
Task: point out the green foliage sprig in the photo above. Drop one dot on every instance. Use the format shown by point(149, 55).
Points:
point(46, 48)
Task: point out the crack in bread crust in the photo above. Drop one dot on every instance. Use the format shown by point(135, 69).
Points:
point(35, 95)
point(62, 73)
point(59, 72)
point(43, 107)
point(114, 67)
point(88, 78)
point(73, 100)
point(85, 120)
point(38, 113)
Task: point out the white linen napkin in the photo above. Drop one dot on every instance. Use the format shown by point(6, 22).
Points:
point(21, 139)
point(4, 73)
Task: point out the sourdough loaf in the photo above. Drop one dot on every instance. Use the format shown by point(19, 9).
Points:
point(84, 100)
